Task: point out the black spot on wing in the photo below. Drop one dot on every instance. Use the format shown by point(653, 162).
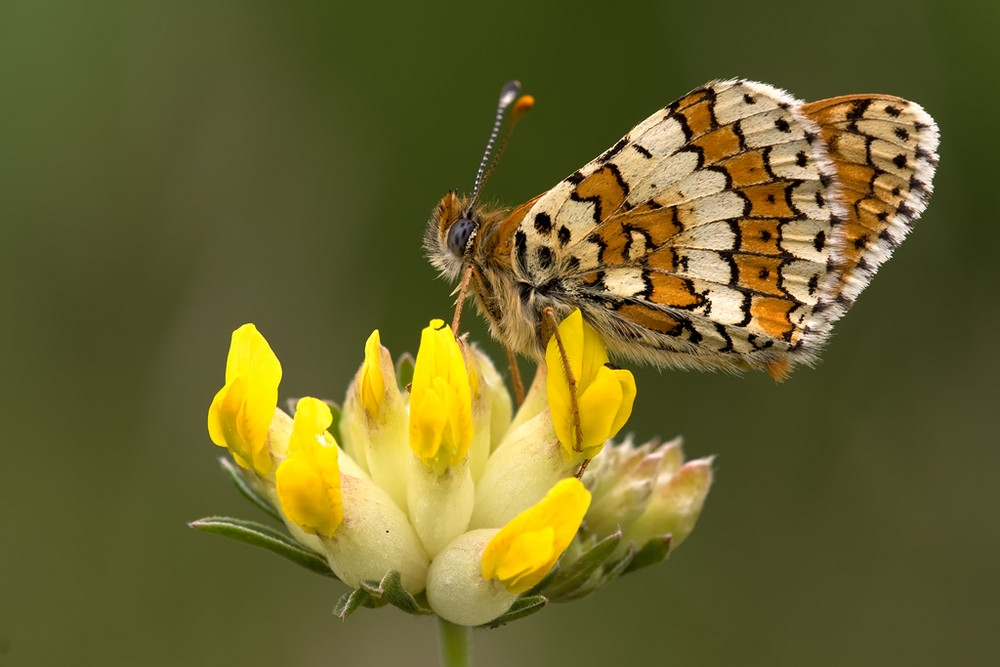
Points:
point(564, 235)
point(858, 109)
point(521, 250)
point(544, 256)
point(543, 224)
point(641, 150)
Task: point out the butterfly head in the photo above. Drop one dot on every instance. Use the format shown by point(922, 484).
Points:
point(452, 234)
point(454, 230)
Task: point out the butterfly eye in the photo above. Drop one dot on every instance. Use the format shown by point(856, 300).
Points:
point(458, 235)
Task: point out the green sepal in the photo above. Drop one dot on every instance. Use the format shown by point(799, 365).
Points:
point(653, 552)
point(523, 606)
point(251, 532)
point(404, 369)
point(350, 602)
point(607, 575)
point(235, 474)
point(374, 594)
point(572, 576)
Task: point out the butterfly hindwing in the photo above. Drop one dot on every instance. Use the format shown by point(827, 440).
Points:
point(884, 150)
point(707, 231)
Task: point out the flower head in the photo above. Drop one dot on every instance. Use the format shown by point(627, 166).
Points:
point(440, 501)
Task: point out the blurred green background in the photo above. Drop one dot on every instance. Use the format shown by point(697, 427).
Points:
point(171, 170)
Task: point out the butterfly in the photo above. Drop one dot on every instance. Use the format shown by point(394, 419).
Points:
point(729, 230)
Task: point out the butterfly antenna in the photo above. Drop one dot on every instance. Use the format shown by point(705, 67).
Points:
point(508, 96)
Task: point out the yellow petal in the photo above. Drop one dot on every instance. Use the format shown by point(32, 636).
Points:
point(627, 381)
point(526, 549)
point(308, 481)
point(599, 406)
point(604, 395)
point(372, 381)
point(440, 399)
point(241, 412)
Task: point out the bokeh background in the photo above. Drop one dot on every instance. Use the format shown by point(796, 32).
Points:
point(169, 171)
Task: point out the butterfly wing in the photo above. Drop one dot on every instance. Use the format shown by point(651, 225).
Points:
point(715, 233)
point(884, 150)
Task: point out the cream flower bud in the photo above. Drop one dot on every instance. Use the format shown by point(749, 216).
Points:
point(373, 424)
point(622, 480)
point(491, 408)
point(676, 504)
point(373, 538)
point(520, 471)
point(456, 589)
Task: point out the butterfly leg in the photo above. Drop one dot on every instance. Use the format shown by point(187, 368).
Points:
point(550, 329)
point(463, 291)
point(515, 375)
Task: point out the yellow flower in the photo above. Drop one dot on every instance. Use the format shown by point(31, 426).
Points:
point(372, 382)
point(527, 548)
point(241, 411)
point(440, 400)
point(604, 395)
point(441, 491)
point(308, 481)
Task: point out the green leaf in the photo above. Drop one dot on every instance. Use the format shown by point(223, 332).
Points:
point(265, 537)
point(404, 370)
point(523, 606)
point(653, 552)
point(235, 475)
point(577, 573)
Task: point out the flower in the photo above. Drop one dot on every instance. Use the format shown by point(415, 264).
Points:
point(603, 394)
point(308, 481)
point(241, 412)
point(525, 550)
point(440, 400)
point(432, 496)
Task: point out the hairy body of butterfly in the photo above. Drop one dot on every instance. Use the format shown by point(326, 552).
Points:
point(729, 230)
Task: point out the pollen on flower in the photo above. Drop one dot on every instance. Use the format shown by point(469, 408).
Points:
point(527, 548)
point(604, 395)
point(308, 481)
point(241, 412)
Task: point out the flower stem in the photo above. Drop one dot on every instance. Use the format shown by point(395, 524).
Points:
point(454, 644)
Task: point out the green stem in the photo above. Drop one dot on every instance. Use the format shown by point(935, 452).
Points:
point(454, 644)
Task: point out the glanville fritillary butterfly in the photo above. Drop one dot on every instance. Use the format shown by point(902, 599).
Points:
point(728, 230)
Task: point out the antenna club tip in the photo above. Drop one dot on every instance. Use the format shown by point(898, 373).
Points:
point(523, 104)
